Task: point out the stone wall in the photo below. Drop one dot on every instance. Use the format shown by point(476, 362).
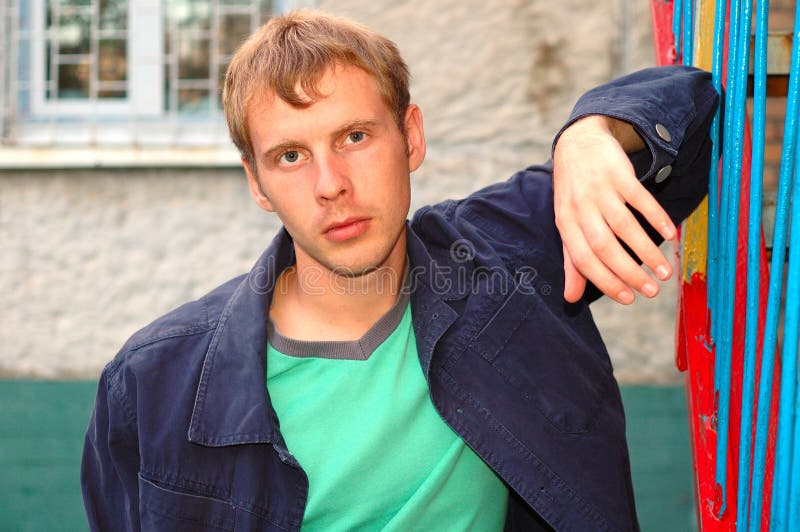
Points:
point(90, 255)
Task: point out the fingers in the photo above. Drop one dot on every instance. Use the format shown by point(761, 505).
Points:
point(585, 258)
point(602, 237)
point(574, 282)
point(622, 222)
point(644, 202)
point(592, 251)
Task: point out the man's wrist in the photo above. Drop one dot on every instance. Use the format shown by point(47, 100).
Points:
point(621, 130)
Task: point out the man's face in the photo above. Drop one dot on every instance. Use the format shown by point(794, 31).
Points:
point(337, 172)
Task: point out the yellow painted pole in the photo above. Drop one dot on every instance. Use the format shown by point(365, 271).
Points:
point(695, 230)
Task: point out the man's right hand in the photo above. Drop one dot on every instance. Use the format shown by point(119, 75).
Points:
point(593, 184)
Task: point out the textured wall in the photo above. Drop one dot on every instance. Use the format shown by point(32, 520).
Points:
point(88, 256)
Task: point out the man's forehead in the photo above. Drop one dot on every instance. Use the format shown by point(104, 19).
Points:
point(346, 87)
point(265, 96)
point(267, 104)
point(313, 88)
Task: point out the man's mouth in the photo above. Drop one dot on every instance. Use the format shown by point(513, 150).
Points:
point(346, 229)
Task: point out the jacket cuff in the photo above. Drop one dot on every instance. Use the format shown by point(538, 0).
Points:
point(660, 103)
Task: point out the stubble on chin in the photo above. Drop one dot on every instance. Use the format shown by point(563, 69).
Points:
point(356, 271)
point(363, 269)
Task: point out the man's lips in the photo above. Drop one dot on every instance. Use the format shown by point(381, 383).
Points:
point(346, 229)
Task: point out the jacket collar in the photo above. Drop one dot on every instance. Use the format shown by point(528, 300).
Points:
point(432, 284)
point(232, 405)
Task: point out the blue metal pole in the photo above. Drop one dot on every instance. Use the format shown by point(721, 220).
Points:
point(753, 267)
point(677, 17)
point(794, 493)
point(688, 32)
point(727, 150)
point(713, 178)
point(790, 354)
point(738, 60)
point(719, 296)
point(776, 278)
point(776, 284)
point(782, 483)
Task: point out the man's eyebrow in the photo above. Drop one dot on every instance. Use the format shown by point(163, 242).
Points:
point(356, 125)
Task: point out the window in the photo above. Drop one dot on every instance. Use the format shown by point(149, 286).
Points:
point(110, 73)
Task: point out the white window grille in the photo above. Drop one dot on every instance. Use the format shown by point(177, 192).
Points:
point(8, 54)
point(120, 73)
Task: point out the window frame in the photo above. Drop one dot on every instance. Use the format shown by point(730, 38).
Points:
point(143, 99)
point(122, 127)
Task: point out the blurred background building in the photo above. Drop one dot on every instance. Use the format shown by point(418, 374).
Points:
point(121, 196)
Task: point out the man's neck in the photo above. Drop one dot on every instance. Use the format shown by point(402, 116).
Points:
point(335, 307)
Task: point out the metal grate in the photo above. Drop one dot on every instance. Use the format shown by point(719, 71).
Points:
point(86, 45)
point(200, 38)
point(119, 72)
point(8, 54)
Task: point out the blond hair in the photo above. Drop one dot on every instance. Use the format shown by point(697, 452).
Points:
point(297, 49)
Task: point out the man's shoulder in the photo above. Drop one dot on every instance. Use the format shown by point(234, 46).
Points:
point(194, 318)
point(516, 211)
point(533, 180)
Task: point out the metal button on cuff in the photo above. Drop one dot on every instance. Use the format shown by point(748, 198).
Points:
point(663, 174)
point(663, 132)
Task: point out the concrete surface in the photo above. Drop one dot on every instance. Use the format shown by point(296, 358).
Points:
point(90, 255)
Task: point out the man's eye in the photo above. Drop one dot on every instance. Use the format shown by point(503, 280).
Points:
point(356, 136)
point(290, 157)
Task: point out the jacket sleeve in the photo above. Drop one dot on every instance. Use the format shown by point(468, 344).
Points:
point(109, 470)
point(672, 109)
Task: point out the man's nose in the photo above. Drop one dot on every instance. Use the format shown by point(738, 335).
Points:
point(332, 177)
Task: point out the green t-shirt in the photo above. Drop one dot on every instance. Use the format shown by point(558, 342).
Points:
point(359, 419)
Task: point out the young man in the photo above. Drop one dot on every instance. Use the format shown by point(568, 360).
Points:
point(374, 373)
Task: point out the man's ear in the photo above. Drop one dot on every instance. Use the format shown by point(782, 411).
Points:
point(415, 136)
point(255, 188)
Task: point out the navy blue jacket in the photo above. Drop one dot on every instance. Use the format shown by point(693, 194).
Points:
point(183, 435)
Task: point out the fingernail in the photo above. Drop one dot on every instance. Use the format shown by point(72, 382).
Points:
point(649, 289)
point(668, 232)
point(662, 272)
point(626, 297)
